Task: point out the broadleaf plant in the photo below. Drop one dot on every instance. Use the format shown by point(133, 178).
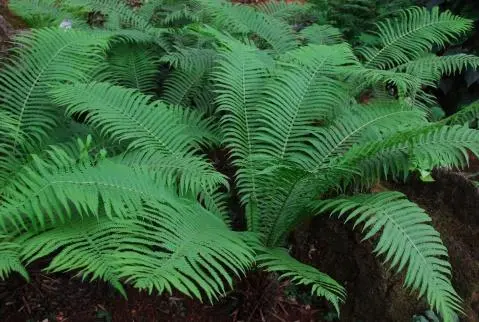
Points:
point(106, 131)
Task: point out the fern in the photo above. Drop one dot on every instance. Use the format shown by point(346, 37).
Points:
point(10, 261)
point(465, 115)
point(283, 10)
point(155, 249)
point(321, 35)
point(407, 241)
point(278, 260)
point(25, 82)
point(153, 132)
point(133, 66)
point(240, 77)
point(108, 180)
point(44, 13)
point(411, 35)
point(431, 68)
point(245, 20)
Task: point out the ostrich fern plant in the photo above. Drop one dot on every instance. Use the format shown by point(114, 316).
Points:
point(129, 195)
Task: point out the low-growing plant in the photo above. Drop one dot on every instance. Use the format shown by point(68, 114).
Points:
point(105, 171)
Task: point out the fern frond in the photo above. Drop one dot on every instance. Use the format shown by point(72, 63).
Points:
point(193, 66)
point(10, 259)
point(118, 13)
point(278, 260)
point(154, 132)
point(322, 35)
point(431, 68)
point(44, 57)
point(362, 124)
point(182, 11)
point(180, 86)
point(303, 91)
point(198, 125)
point(199, 252)
point(44, 13)
point(319, 167)
point(426, 147)
point(239, 79)
point(465, 115)
point(186, 175)
point(283, 10)
point(127, 115)
point(49, 194)
point(407, 241)
point(411, 35)
point(133, 67)
point(191, 59)
point(87, 245)
point(158, 248)
point(245, 20)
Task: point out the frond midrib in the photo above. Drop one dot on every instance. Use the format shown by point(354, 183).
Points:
point(298, 106)
point(400, 38)
point(24, 104)
point(352, 133)
point(86, 183)
point(152, 135)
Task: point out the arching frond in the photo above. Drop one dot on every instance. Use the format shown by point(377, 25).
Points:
point(161, 247)
point(49, 194)
point(140, 121)
point(318, 167)
point(411, 35)
point(186, 175)
point(239, 78)
point(134, 67)
point(426, 147)
point(85, 245)
point(322, 35)
point(278, 260)
point(304, 90)
point(10, 259)
point(187, 82)
point(465, 115)
point(363, 124)
point(155, 133)
point(200, 253)
point(198, 125)
point(191, 59)
point(180, 86)
point(180, 12)
point(430, 68)
point(44, 57)
point(118, 13)
point(407, 241)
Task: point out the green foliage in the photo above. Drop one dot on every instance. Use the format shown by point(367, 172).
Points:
point(154, 89)
point(132, 66)
point(409, 36)
point(467, 115)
